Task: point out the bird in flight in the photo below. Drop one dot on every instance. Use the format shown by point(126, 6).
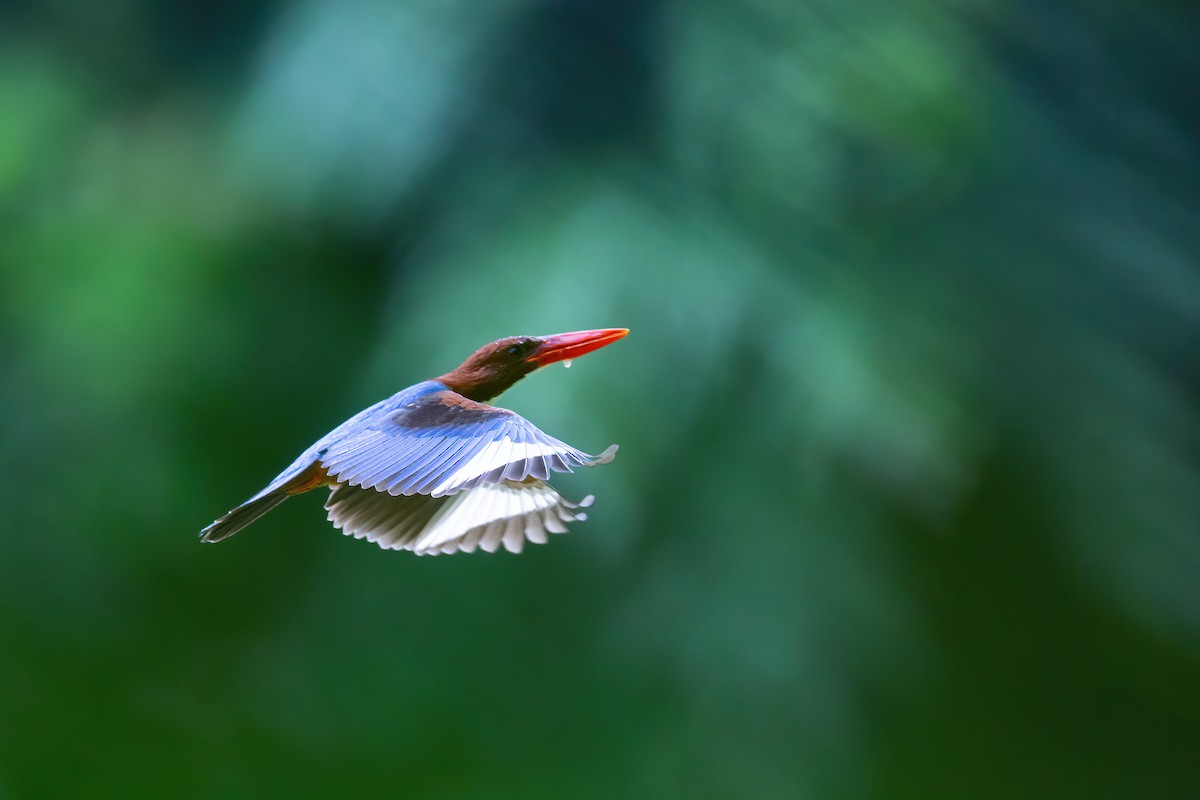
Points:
point(435, 469)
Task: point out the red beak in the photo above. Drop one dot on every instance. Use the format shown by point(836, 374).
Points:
point(565, 346)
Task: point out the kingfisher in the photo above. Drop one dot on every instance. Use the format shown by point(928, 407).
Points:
point(435, 469)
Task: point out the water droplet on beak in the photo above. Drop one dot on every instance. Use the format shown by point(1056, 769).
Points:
point(567, 363)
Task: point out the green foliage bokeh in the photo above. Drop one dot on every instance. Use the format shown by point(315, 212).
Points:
point(908, 490)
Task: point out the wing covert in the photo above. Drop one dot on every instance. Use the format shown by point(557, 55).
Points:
point(441, 443)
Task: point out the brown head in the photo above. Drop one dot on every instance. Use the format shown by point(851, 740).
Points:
point(497, 366)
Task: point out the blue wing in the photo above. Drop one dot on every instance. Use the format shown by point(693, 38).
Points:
point(439, 443)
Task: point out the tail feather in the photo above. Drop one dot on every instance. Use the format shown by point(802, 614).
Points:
point(242, 516)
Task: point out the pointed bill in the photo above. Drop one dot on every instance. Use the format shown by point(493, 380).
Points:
point(568, 346)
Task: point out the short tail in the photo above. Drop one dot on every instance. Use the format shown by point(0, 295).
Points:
point(242, 516)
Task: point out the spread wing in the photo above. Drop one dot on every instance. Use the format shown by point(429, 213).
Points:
point(485, 516)
point(441, 443)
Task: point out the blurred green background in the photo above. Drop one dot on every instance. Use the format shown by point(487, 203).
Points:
point(908, 496)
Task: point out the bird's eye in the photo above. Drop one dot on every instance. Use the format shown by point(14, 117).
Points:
point(520, 348)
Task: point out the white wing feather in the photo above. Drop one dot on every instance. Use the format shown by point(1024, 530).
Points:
point(486, 516)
